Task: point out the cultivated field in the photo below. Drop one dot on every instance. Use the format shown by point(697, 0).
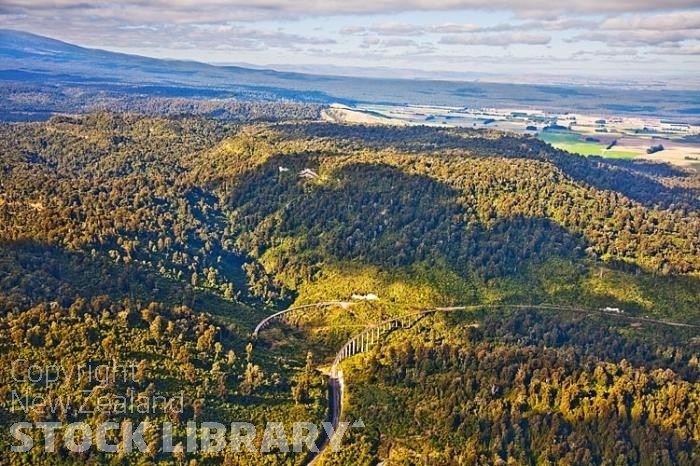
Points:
point(609, 136)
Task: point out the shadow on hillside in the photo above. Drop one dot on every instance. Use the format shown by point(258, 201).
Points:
point(380, 215)
point(632, 178)
point(534, 358)
point(647, 167)
point(595, 336)
point(33, 272)
point(537, 355)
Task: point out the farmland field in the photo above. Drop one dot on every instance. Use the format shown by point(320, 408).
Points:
point(627, 137)
point(573, 142)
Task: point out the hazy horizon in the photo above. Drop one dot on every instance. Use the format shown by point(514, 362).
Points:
point(582, 42)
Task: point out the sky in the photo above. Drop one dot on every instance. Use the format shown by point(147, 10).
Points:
point(653, 42)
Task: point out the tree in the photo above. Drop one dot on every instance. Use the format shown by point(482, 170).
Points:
point(252, 379)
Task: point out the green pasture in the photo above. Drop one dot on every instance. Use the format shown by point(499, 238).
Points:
point(576, 144)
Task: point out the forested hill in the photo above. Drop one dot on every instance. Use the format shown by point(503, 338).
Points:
point(164, 240)
point(224, 208)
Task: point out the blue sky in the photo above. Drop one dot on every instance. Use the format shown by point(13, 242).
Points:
point(645, 41)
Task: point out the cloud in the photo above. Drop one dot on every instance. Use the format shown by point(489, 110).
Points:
point(262, 31)
point(559, 24)
point(399, 43)
point(605, 53)
point(404, 29)
point(636, 37)
point(397, 29)
point(648, 30)
point(370, 42)
point(675, 21)
point(677, 49)
point(352, 30)
point(202, 36)
point(543, 25)
point(208, 10)
point(493, 39)
point(453, 28)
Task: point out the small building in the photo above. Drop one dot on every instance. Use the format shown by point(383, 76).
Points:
point(615, 310)
point(365, 297)
point(283, 169)
point(308, 173)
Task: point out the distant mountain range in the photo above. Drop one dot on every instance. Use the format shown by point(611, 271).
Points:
point(28, 58)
